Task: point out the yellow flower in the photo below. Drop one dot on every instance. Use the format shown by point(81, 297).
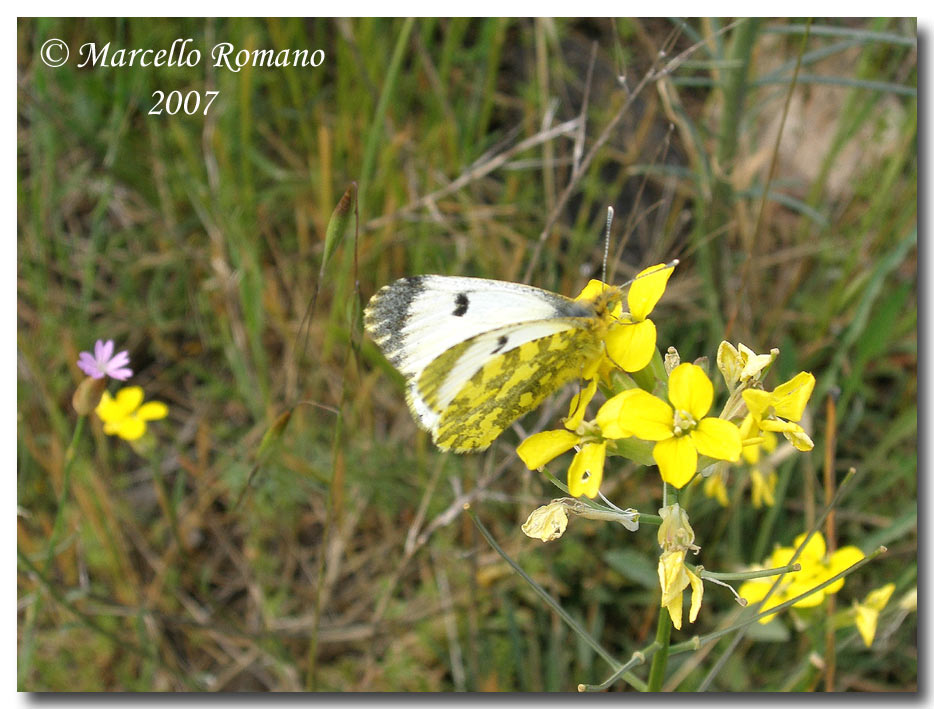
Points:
point(867, 612)
point(715, 486)
point(816, 567)
point(631, 344)
point(780, 410)
point(680, 429)
point(547, 523)
point(674, 577)
point(742, 366)
point(763, 488)
point(126, 415)
point(586, 471)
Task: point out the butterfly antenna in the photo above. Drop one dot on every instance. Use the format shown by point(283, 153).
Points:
point(606, 240)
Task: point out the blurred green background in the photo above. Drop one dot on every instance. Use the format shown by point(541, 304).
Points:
point(339, 558)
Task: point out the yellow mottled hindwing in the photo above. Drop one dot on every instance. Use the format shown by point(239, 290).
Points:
point(505, 387)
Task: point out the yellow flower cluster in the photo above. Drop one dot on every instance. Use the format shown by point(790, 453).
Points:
point(817, 566)
point(679, 426)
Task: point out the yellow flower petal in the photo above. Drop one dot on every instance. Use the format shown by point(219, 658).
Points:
point(646, 290)
point(131, 428)
point(697, 594)
point(152, 411)
point(631, 345)
point(879, 598)
point(593, 288)
point(107, 410)
point(715, 486)
point(546, 523)
point(791, 397)
point(751, 452)
point(586, 471)
point(579, 404)
point(800, 440)
point(729, 363)
point(866, 621)
point(608, 417)
point(690, 390)
point(754, 590)
point(129, 398)
point(718, 439)
point(763, 488)
point(676, 459)
point(757, 401)
point(815, 550)
point(540, 448)
point(780, 426)
point(769, 441)
point(841, 559)
point(673, 578)
point(646, 416)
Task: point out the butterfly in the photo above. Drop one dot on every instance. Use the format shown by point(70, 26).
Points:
point(476, 354)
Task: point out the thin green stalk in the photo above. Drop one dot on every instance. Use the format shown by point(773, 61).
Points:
point(663, 629)
point(660, 659)
point(638, 658)
point(746, 575)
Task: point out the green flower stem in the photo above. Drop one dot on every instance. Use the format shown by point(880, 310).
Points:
point(660, 659)
point(745, 575)
point(663, 629)
point(545, 596)
point(601, 511)
point(701, 640)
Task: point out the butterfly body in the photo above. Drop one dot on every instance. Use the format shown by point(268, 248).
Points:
point(477, 354)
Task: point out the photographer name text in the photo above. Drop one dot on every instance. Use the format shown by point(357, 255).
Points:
point(182, 54)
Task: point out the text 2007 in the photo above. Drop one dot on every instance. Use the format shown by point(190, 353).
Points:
point(177, 102)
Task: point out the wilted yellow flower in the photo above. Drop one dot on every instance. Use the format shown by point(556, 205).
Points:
point(675, 531)
point(547, 523)
point(867, 612)
point(816, 567)
point(674, 577)
point(676, 537)
point(743, 365)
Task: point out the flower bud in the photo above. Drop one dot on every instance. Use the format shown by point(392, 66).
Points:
point(88, 395)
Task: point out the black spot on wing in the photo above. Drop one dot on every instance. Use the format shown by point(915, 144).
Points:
point(500, 344)
point(460, 304)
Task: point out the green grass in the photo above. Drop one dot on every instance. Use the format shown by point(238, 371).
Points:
point(196, 242)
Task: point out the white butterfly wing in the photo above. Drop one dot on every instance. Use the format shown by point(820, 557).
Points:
point(448, 374)
point(415, 320)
